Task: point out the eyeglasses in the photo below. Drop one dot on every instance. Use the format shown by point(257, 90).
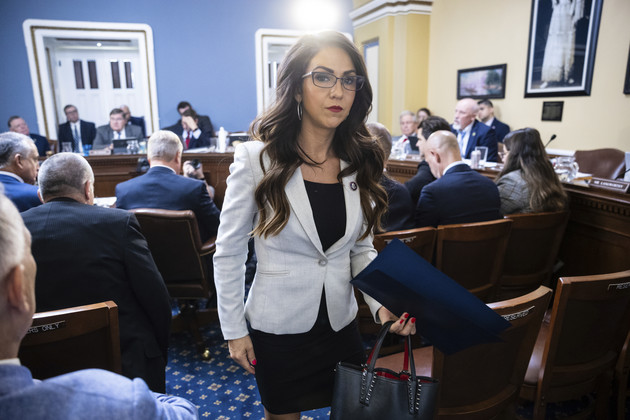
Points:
point(327, 80)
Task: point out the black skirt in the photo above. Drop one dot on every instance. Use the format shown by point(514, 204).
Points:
point(295, 372)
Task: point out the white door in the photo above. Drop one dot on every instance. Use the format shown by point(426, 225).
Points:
point(63, 55)
point(96, 81)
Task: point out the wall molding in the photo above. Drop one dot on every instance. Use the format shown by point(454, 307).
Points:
point(378, 9)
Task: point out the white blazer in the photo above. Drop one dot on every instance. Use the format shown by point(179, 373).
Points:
point(292, 266)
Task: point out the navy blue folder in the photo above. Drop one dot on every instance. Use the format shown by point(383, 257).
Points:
point(447, 315)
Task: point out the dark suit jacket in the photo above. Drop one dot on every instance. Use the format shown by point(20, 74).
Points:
point(481, 135)
point(24, 196)
point(204, 124)
point(399, 214)
point(138, 121)
point(161, 188)
point(419, 180)
point(87, 254)
point(42, 144)
point(461, 195)
point(501, 129)
point(88, 132)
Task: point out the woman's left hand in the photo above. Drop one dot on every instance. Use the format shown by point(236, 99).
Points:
point(405, 325)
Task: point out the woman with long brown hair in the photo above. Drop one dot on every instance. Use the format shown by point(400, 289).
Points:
point(527, 183)
point(307, 189)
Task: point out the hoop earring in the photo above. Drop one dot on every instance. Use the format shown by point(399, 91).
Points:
point(299, 110)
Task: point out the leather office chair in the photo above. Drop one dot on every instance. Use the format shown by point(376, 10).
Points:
point(66, 340)
point(483, 381)
point(531, 252)
point(580, 342)
point(421, 240)
point(621, 379)
point(183, 261)
point(601, 163)
point(472, 254)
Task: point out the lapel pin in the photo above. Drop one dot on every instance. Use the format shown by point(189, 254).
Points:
point(353, 186)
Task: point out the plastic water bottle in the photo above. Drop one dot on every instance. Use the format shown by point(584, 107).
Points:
point(475, 159)
point(222, 140)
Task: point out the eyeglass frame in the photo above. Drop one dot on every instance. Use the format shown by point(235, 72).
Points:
point(357, 77)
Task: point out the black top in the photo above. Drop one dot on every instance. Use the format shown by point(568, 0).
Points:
point(329, 211)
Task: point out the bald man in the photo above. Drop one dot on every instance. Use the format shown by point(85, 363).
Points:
point(459, 195)
point(87, 254)
point(471, 133)
point(91, 393)
point(138, 121)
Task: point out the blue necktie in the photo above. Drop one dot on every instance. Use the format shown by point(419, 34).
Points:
point(75, 136)
point(460, 140)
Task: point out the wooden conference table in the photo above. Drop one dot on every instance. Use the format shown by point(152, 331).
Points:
point(597, 239)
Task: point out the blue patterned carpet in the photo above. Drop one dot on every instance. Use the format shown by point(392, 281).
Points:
point(222, 390)
point(219, 387)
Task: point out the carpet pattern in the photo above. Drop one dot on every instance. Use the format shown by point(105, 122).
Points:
point(222, 390)
point(219, 387)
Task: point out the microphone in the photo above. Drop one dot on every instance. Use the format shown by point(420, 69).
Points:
point(553, 136)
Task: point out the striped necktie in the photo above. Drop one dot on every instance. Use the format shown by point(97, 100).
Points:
point(76, 138)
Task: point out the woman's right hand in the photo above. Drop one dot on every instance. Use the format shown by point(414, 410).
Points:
point(242, 352)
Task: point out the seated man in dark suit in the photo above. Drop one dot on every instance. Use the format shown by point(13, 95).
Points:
point(117, 129)
point(131, 120)
point(163, 188)
point(79, 394)
point(87, 254)
point(76, 132)
point(459, 195)
point(424, 176)
point(471, 133)
point(399, 206)
point(192, 135)
point(203, 122)
point(486, 116)
point(18, 125)
point(18, 169)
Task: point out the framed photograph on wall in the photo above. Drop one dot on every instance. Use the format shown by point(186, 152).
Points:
point(562, 44)
point(626, 85)
point(482, 82)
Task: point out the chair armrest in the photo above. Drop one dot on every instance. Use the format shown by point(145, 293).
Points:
point(208, 247)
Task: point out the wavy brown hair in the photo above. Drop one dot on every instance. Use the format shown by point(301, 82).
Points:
point(280, 126)
point(528, 155)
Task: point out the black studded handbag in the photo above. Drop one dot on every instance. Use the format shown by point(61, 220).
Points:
point(366, 392)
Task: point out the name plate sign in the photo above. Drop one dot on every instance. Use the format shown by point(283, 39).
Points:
point(101, 152)
point(46, 327)
point(610, 184)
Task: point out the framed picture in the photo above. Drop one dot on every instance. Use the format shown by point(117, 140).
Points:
point(552, 111)
point(562, 44)
point(482, 82)
point(626, 85)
